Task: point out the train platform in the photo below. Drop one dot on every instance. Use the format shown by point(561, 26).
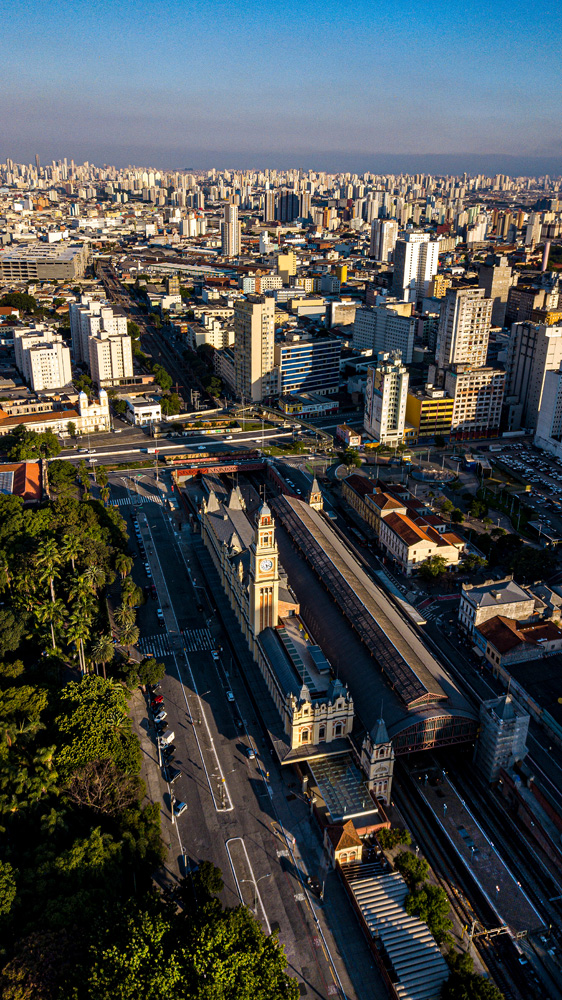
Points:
point(458, 821)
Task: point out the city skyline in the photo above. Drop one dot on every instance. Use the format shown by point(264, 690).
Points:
point(385, 91)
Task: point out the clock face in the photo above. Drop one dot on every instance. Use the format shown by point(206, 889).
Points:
point(266, 565)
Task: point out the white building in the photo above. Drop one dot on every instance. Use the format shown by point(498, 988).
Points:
point(42, 357)
point(385, 328)
point(49, 365)
point(87, 318)
point(464, 328)
point(478, 395)
point(385, 400)
point(384, 233)
point(416, 259)
point(533, 351)
point(142, 411)
point(111, 358)
point(549, 424)
point(231, 232)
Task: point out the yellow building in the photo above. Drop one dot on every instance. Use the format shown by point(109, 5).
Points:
point(341, 273)
point(429, 412)
point(438, 286)
point(287, 266)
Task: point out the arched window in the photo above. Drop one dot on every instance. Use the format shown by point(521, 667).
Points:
point(304, 736)
point(338, 729)
point(322, 733)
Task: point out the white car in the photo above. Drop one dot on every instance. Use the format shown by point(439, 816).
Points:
point(179, 808)
point(161, 715)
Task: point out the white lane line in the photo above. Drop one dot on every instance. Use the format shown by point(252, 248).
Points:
point(240, 840)
point(212, 749)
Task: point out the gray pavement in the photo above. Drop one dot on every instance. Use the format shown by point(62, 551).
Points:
point(252, 841)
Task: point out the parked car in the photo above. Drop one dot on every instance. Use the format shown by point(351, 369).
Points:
point(314, 884)
point(157, 699)
point(250, 753)
point(179, 809)
point(161, 715)
point(171, 774)
point(167, 738)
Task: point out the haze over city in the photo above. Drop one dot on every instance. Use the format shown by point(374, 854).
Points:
point(381, 87)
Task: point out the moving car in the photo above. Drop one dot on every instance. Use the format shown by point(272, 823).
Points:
point(229, 696)
point(314, 884)
point(250, 753)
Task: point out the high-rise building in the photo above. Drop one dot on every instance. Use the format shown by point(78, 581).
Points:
point(385, 400)
point(287, 265)
point(503, 734)
point(87, 318)
point(308, 365)
point(173, 284)
point(43, 358)
point(464, 328)
point(287, 206)
point(269, 206)
point(231, 232)
point(533, 350)
point(496, 278)
point(111, 358)
point(478, 398)
point(416, 259)
point(254, 336)
point(386, 328)
point(384, 234)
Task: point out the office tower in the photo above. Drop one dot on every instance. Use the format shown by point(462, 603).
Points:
point(549, 422)
point(478, 398)
point(384, 234)
point(385, 400)
point(533, 350)
point(386, 328)
point(533, 229)
point(496, 278)
point(502, 738)
point(416, 259)
point(269, 206)
point(37, 162)
point(305, 200)
point(308, 366)
point(231, 232)
point(287, 206)
point(464, 328)
point(111, 358)
point(254, 330)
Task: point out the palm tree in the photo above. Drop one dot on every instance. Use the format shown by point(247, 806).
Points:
point(71, 548)
point(103, 651)
point(5, 575)
point(129, 635)
point(104, 492)
point(132, 596)
point(125, 616)
point(51, 614)
point(123, 564)
point(48, 559)
point(79, 632)
point(95, 577)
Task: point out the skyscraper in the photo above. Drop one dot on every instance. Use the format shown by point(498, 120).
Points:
point(385, 400)
point(384, 233)
point(230, 232)
point(254, 330)
point(496, 278)
point(464, 328)
point(416, 259)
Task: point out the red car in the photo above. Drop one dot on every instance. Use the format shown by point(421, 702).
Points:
point(157, 700)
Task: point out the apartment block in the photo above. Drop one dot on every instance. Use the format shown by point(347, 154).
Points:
point(385, 400)
point(533, 350)
point(478, 397)
point(87, 318)
point(496, 278)
point(389, 328)
point(111, 358)
point(464, 328)
point(430, 412)
point(254, 335)
point(384, 233)
point(416, 259)
point(42, 357)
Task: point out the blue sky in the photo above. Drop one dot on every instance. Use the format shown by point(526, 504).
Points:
point(370, 85)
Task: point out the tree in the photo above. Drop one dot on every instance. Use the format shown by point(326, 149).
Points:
point(412, 868)
point(472, 562)
point(447, 506)
point(125, 616)
point(129, 635)
point(123, 564)
point(171, 405)
point(86, 729)
point(150, 671)
point(120, 407)
point(439, 441)
point(62, 475)
point(133, 329)
point(164, 380)
point(12, 631)
point(24, 445)
point(71, 428)
point(469, 986)
point(48, 561)
point(100, 787)
point(8, 887)
point(103, 650)
point(431, 569)
point(457, 516)
point(20, 300)
point(389, 839)
point(431, 904)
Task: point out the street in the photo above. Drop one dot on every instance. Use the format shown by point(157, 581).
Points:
point(242, 813)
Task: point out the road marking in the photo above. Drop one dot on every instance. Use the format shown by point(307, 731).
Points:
point(129, 501)
point(240, 840)
point(155, 644)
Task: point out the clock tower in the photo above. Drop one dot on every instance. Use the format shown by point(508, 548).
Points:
point(264, 575)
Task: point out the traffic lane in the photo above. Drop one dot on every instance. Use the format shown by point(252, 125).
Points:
point(184, 598)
